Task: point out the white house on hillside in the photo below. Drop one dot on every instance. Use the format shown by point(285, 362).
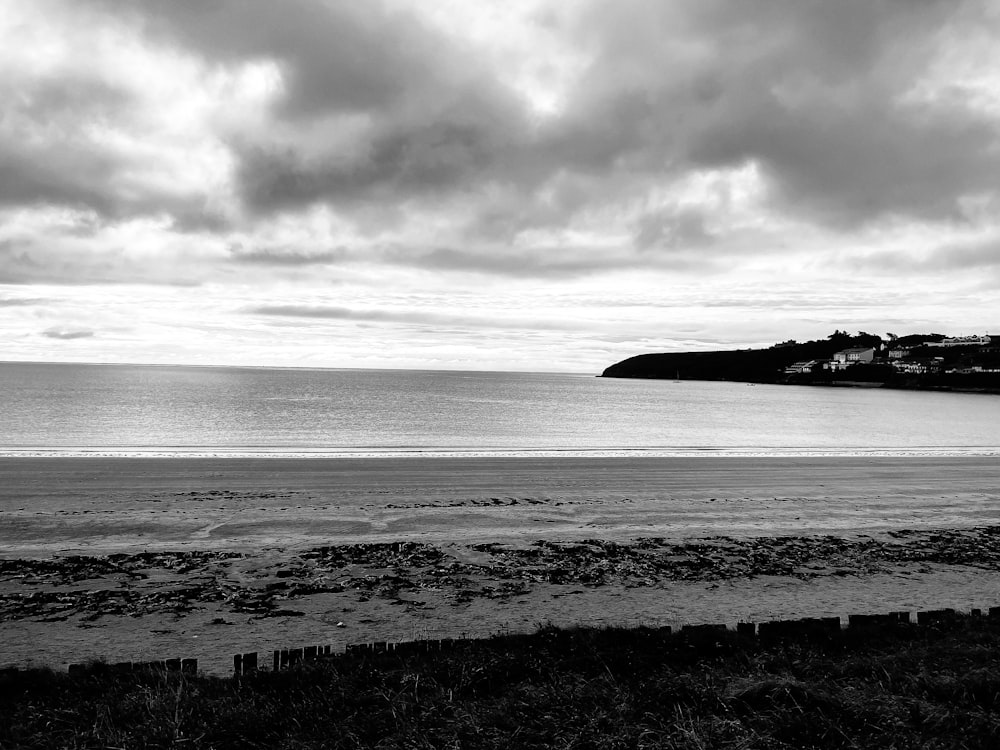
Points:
point(801, 367)
point(847, 357)
point(918, 366)
point(962, 341)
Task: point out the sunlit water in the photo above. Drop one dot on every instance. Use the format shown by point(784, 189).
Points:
point(139, 410)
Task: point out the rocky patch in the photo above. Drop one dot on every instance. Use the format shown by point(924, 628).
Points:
point(179, 582)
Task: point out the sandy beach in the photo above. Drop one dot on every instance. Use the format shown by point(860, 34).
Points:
point(128, 558)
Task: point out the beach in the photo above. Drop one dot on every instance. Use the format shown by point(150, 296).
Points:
point(141, 558)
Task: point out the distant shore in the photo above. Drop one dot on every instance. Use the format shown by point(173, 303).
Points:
point(891, 386)
point(826, 384)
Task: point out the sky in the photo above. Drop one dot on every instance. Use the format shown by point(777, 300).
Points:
point(537, 185)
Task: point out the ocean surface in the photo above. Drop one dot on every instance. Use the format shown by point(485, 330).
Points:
point(124, 410)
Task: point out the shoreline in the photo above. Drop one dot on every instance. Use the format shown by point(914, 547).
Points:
point(985, 390)
point(209, 604)
point(210, 557)
point(103, 505)
point(356, 454)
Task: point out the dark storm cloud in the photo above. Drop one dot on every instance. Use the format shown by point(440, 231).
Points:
point(59, 146)
point(68, 334)
point(979, 254)
point(17, 265)
point(436, 117)
point(26, 261)
point(823, 98)
point(41, 157)
point(670, 229)
point(63, 178)
point(969, 255)
point(404, 160)
point(336, 56)
point(814, 93)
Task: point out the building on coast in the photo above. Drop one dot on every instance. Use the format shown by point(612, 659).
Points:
point(798, 368)
point(847, 357)
point(920, 366)
point(972, 370)
point(961, 341)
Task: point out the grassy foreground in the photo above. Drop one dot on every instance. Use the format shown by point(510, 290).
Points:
point(904, 687)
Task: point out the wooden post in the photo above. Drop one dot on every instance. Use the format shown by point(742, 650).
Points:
point(237, 664)
point(277, 661)
point(936, 617)
point(173, 665)
point(873, 621)
point(250, 662)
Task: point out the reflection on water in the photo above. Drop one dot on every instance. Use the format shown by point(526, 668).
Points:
point(116, 409)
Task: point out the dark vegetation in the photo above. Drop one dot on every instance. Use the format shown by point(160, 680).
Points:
point(405, 572)
point(768, 365)
point(901, 686)
point(749, 365)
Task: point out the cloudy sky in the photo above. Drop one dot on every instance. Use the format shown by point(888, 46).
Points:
point(491, 184)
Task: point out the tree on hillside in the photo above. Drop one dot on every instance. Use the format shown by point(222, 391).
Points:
point(868, 339)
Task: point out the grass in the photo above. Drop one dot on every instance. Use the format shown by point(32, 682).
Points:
point(907, 687)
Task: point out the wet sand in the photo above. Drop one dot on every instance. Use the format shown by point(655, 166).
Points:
point(90, 505)
point(272, 553)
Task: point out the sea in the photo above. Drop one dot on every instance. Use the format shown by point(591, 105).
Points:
point(142, 410)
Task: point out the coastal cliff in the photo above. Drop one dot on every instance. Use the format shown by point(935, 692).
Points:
point(918, 361)
point(750, 365)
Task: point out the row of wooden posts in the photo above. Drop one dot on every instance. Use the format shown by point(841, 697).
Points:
point(775, 629)
point(282, 659)
point(287, 658)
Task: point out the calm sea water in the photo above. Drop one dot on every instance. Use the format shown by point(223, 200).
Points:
point(123, 410)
